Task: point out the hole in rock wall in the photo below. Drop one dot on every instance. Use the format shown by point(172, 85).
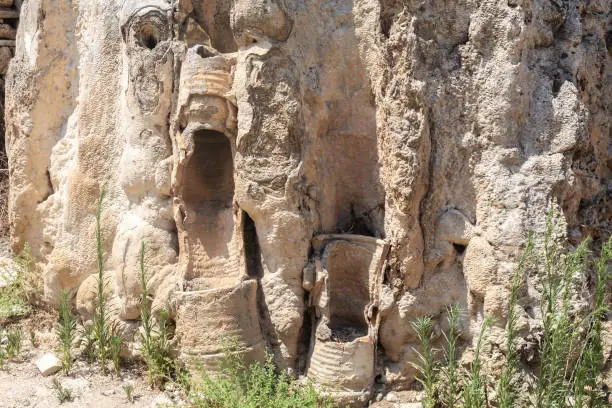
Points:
point(349, 295)
point(460, 249)
point(208, 195)
point(252, 252)
point(148, 36)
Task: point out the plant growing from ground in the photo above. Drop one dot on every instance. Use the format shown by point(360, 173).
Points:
point(128, 390)
point(155, 339)
point(87, 342)
point(450, 392)
point(115, 351)
point(66, 331)
point(561, 323)
point(63, 394)
point(426, 368)
point(588, 373)
point(2, 357)
point(252, 385)
point(506, 394)
point(474, 391)
point(13, 345)
point(102, 330)
point(33, 339)
point(24, 286)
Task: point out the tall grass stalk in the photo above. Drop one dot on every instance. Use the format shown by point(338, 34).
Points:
point(451, 391)
point(66, 331)
point(588, 372)
point(155, 339)
point(506, 394)
point(426, 368)
point(474, 391)
point(561, 323)
point(102, 330)
point(252, 385)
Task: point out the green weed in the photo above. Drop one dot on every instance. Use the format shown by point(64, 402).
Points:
point(66, 331)
point(253, 386)
point(426, 367)
point(13, 345)
point(115, 351)
point(102, 330)
point(155, 339)
point(63, 394)
point(128, 390)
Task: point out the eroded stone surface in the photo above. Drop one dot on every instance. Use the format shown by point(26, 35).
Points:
point(228, 135)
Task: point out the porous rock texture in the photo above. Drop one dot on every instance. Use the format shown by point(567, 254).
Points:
point(341, 166)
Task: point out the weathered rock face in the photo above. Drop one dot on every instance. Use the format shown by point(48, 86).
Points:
point(310, 176)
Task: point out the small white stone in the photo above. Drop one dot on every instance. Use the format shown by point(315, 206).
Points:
point(392, 397)
point(108, 392)
point(410, 405)
point(48, 364)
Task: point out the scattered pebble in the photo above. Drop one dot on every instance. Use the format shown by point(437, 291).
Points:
point(48, 364)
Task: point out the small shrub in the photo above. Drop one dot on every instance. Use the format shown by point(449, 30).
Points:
point(24, 291)
point(33, 340)
point(450, 393)
point(128, 390)
point(155, 339)
point(506, 394)
point(63, 394)
point(66, 331)
point(13, 345)
point(426, 368)
point(87, 343)
point(115, 349)
point(2, 358)
point(102, 329)
point(253, 386)
point(474, 391)
point(589, 369)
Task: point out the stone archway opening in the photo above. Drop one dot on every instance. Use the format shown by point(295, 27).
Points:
point(208, 194)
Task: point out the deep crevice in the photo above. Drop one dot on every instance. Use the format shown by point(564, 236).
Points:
point(252, 253)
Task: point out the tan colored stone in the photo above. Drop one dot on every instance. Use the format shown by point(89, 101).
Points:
point(479, 266)
point(228, 134)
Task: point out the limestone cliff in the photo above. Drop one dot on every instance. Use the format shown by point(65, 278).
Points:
point(308, 176)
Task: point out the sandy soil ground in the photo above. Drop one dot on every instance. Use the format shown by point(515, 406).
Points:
point(22, 385)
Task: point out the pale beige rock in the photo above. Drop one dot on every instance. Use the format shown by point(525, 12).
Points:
point(229, 135)
point(479, 266)
point(48, 364)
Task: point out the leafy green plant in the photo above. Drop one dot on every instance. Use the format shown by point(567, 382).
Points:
point(474, 391)
point(252, 386)
point(87, 343)
point(2, 358)
point(63, 394)
point(13, 345)
point(115, 351)
point(450, 393)
point(426, 368)
point(128, 390)
point(102, 330)
point(562, 325)
point(588, 373)
point(33, 340)
point(506, 394)
point(155, 338)
point(66, 331)
point(25, 286)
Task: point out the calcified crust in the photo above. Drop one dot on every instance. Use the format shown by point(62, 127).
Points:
point(234, 137)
